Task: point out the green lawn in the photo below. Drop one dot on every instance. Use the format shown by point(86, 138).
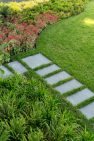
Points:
point(70, 44)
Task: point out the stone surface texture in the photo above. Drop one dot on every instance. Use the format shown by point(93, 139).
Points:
point(47, 70)
point(68, 86)
point(35, 61)
point(80, 96)
point(88, 110)
point(17, 67)
point(57, 77)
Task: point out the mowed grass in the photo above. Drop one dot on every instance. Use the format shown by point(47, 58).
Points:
point(70, 44)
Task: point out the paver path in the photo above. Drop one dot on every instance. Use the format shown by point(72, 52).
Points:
point(80, 96)
point(17, 67)
point(57, 77)
point(36, 61)
point(47, 70)
point(67, 82)
point(68, 86)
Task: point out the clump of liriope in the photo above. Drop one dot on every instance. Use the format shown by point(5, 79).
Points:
point(29, 112)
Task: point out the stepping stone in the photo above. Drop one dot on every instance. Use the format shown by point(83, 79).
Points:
point(17, 67)
point(88, 110)
point(68, 86)
point(47, 70)
point(6, 72)
point(57, 77)
point(36, 61)
point(80, 96)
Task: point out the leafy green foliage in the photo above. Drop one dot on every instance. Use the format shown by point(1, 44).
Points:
point(29, 112)
point(63, 8)
point(4, 57)
point(4, 11)
point(28, 10)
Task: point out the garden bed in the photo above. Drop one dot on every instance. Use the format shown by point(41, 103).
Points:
point(21, 23)
point(29, 112)
point(21, 36)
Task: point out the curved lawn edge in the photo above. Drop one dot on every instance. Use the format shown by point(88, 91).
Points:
point(73, 51)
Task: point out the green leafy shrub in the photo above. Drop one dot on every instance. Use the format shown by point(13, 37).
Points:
point(5, 12)
point(4, 57)
point(30, 9)
point(29, 112)
point(63, 8)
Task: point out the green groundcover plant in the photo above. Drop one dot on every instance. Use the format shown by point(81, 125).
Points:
point(29, 112)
